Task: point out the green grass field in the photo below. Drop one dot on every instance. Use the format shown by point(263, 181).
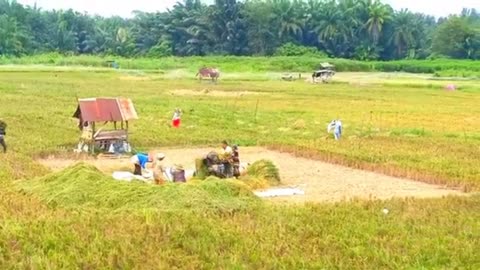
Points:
point(397, 124)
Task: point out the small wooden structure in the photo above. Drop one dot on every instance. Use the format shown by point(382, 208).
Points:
point(113, 64)
point(325, 73)
point(93, 111)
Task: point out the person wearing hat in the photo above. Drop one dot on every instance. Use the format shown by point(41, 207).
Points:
point(159, 169)
point(140, 161)
point(179, 174)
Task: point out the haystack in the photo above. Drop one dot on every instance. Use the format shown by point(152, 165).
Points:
point(262, 174)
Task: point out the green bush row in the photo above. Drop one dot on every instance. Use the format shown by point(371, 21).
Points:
point(249, 64)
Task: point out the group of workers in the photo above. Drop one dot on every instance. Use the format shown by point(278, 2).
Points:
point(161, 174)
point(227, 165)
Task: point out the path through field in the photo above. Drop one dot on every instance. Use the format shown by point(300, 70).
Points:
point(322, 182)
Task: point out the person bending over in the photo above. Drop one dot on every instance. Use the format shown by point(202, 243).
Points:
point(140, 161)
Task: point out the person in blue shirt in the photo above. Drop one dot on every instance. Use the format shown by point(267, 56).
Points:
point(140, 161)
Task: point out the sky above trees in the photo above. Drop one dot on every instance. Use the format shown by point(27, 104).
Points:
point(124, 8)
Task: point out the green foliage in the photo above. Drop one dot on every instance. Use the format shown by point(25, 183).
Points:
point(290, 49)
point(457, 38)
point(248, 64)
point(163, 49)
point(365, 30)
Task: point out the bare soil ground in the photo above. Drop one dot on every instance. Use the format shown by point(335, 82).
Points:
point(212, 93)
point(322, 182)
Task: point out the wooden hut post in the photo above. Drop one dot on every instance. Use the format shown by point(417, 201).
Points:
point(126, 125)
point(92, 146)
point(115, 125)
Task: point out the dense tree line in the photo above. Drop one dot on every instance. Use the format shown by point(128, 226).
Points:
point(358, 29)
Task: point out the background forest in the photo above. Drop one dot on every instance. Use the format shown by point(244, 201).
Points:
point(353, 29)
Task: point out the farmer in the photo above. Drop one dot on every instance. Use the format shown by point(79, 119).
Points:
point(336, 127)
point(176, 118)
point(140, 161)
point(331, 126)
point(337, 132)
point(159, 170)
point(211, 162)
point(236, 161)
point(3, 132)
point(178, 174)
point(227, 159)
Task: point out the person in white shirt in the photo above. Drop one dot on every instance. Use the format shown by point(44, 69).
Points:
point(227, 158)
point(226, 149)
point(337, 128)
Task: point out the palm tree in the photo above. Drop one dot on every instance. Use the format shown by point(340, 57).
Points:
point(289, 21)
point(378, 14)
point(403, 32)
point(331, 29)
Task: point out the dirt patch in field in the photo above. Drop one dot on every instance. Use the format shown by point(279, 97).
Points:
point(212, 93)
point(322, 182)
point(134, 78)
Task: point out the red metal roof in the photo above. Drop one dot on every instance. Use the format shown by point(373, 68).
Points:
point(105, 109)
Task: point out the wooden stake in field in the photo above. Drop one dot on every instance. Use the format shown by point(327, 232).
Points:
point(256, 110)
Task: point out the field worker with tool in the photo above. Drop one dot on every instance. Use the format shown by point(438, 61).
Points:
point(3, 132)
point(140, 161)
point(159, 169)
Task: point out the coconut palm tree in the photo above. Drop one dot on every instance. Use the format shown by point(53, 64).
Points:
point(331, 29)
point(403, 32)
point(287, 16)
point(378, 14)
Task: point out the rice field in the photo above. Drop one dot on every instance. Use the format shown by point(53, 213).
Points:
point(399, 125)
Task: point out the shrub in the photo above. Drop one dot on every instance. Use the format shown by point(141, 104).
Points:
point(291, 49)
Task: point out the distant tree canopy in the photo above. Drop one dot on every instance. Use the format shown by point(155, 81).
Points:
point(355, 29)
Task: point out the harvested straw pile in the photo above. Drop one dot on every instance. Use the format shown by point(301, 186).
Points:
point(84, 186)
point(262, 174)
point(201, 169)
